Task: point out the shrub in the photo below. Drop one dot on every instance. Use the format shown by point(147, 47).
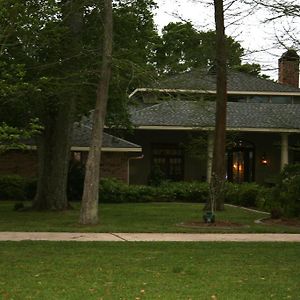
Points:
point(115, 191)
point(285, 197)
point(112, 190)
point(12, 187)
point(246, 194)
point(183, 191)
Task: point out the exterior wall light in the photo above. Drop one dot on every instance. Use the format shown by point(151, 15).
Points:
point(264, 161)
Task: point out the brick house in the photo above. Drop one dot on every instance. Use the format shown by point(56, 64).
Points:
point(116, 154)
point(263, 124)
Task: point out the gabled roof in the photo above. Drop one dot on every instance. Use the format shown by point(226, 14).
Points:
point(199, 80)
point(82, 136)
point(201, 114)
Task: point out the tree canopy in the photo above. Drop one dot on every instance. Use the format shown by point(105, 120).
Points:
point(182, 48)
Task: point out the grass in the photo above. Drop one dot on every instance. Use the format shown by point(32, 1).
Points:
point(133, 217)
point(75, 270)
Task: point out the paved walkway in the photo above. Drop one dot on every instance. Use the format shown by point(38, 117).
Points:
point(149, 237)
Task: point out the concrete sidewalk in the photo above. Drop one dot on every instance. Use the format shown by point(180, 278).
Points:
point(149, 237)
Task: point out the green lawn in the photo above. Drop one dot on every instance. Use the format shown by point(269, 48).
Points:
point(133, 217)
point(118, 270)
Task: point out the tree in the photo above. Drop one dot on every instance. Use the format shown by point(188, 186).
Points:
point(285, 18)
point(89, 206)
point(182, 48)
point(218, 163)
point(54, 145)
point(50, 60)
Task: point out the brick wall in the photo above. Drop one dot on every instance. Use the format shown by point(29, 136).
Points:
point(114, 164)
point(23, 163)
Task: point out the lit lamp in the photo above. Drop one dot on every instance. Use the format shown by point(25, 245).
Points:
point(264, 160)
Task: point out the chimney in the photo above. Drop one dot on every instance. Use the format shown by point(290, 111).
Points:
point(289, 68)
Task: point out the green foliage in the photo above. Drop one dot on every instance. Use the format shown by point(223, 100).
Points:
point(156, 176)
point(114, 191)
point(13, 138)
point(246, 194)
point(183, 192)
point(183, 47)
point(14, 187)
point(252, 69)
point(285, 197)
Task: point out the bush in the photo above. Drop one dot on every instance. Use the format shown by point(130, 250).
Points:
point(12, 187)
point(246, 194)
point(115, 191)
point(183, 191)
point(285, 197)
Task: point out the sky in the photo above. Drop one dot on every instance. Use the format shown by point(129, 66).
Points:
point(257, 38)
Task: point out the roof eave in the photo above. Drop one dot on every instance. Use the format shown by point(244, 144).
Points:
point(229, 92)
point(208, 128)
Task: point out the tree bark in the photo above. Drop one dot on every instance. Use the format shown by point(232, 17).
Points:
point(54, 156)
point(54, 146)
point(90, 198)
point(218, 164)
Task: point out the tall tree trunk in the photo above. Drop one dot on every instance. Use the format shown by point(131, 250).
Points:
point(218, 164)
point(54, 146)
point(54, 156)
point(90, 198)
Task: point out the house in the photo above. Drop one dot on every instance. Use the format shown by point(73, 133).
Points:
point(116, 154)
point(263, 125)
point(174, 122)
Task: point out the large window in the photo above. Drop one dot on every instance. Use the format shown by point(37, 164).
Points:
point(169, 158)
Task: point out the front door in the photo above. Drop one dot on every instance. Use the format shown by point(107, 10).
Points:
point(240, 162)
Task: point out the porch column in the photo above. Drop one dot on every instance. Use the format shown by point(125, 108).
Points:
point(284, 150)
point(210, 149)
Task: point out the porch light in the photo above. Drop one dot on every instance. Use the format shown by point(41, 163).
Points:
point(264, 160)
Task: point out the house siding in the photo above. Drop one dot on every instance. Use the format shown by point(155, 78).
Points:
point(25, 164)
point(268, 144)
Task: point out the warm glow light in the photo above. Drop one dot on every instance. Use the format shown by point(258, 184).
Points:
point(238, 167)
point(264, 160)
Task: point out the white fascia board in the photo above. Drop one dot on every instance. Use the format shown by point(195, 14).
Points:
point(108, 149)
point(104, 149)
point(214, 92)
point(243, 129)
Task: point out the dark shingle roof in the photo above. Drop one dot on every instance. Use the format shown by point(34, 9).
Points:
point(237, 81)
point(202, 114)
point(82, 137)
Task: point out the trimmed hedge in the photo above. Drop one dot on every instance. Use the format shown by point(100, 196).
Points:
point(114, 191)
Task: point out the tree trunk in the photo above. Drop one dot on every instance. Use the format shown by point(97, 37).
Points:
point(90, 198)
point(54, 156)
point(54, 146)
point(218, 164)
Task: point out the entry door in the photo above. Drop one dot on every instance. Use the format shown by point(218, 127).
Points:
point(240, 165)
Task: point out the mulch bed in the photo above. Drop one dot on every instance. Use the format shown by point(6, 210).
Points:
point(286, 222)
point(218, 224)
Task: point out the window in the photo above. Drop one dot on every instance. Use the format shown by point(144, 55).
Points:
point(258, 99)
point(296, 100)
point(281, 99)
point(237, 98)
point(169, 158)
